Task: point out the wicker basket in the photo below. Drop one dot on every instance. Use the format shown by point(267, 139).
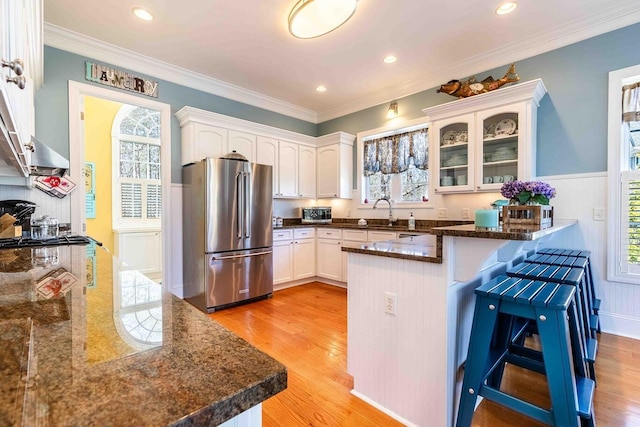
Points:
point(534, 215)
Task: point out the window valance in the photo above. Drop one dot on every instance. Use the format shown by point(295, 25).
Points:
point(395, 153)
point(631, 103)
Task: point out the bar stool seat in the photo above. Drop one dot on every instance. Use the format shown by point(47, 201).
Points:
point(503, 302)
point(573, 276)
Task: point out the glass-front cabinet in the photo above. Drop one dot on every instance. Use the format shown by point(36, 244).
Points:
point(480, 142)
point(453, 158)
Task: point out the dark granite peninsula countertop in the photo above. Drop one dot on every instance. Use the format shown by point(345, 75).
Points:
point(503, 232)
point(416, 248)
point(85, 342)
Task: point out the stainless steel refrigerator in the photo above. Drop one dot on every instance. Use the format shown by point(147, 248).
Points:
point(227, 232)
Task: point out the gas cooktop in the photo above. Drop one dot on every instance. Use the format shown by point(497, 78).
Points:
point(24, 242)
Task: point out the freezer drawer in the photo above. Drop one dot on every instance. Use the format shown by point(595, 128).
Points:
point(232, 277)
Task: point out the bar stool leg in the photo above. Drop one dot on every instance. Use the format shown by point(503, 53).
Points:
point(553, 329)
point(484, 319)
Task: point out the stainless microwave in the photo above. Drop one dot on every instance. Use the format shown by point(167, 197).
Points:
point(316, 215)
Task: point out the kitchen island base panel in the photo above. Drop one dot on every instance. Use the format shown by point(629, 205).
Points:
point(415, 354)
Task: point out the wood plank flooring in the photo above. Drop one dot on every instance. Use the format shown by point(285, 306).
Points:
point(305, 328)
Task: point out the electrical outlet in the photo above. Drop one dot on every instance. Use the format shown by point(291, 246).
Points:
point(390, 303)
point(442, 212)
point(598, 214)
point(465, 213)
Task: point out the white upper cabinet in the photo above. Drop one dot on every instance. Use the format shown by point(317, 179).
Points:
point(299, 170)
point(478, 143)
point(21, 47)
point(243, 143)
point(306, 172)
point(288, 169)
point(335, 166)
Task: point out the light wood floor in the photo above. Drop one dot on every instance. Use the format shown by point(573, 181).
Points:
point(305, 328)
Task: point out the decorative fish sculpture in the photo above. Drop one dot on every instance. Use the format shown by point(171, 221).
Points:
point(470, 87)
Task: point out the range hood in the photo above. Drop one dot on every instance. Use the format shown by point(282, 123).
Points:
point(46, 162)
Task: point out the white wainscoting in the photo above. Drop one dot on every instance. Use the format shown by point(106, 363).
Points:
point(577, 196)
point(45, 204)
point(174, 283)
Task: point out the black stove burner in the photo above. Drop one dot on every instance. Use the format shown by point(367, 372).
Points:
point(24, 242)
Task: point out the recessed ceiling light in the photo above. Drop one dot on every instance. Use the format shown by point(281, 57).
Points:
point(507, 7)
point(321, 89)
point(390, 59)
point(143, 14)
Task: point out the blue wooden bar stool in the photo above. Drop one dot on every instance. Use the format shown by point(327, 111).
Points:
point(586, 255)
point(504, 302)
point(574, 276)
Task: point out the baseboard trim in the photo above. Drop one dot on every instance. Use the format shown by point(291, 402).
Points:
point(383, 409)
point(616, 324)
point(299, 282)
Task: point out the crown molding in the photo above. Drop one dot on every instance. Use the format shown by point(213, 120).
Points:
point(63, 39)
point(573, 32)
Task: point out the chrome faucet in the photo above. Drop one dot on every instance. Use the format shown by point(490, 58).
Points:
point(391, 220)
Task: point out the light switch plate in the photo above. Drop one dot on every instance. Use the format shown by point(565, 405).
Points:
point(465, 213)
point(442, 212)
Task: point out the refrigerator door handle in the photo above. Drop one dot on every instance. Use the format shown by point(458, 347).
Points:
point(247, 204)
point(241, 256)
point(240, 204)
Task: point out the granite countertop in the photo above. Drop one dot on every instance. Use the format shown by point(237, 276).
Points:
point(503, 232)
point(416, 248)
point(422, 226)
point(83, 342)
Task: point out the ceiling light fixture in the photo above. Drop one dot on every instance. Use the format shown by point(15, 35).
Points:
point(321, 89)
point(507, 7)
point(390, 59)
point(392, 112)
point(143, 14)
point(314, 18)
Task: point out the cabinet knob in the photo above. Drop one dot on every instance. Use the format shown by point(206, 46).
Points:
point(20, 81)
point(16, 65)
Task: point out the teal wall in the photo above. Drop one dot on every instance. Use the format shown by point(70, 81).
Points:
point(572, 118)
point(52, 106)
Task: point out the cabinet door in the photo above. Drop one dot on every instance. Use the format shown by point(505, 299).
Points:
point(282, 261)
point(267, 154)
point(453, 157)
point(328, 179)
point(502, 151)
point(307, 172)
point(304, 258)
point(206, 141)
point(243, 143)
point(330, 259)
point(288, 169)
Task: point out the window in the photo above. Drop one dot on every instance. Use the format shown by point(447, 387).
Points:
point(138, 191)
point(623, 262)
point(395, 166)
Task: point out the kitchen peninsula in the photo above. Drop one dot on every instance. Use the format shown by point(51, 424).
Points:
point(87, 342)
point(410, 309)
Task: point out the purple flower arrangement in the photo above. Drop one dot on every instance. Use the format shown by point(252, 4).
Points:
point(527, 192)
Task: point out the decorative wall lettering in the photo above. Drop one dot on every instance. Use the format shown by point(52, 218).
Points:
point(107, 76)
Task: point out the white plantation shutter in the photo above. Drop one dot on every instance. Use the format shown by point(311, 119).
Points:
point(130, 200)
point(154, 201)
point(630, 224)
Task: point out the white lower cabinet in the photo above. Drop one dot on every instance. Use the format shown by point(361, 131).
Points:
point(351, 239)
point(378, 236)
point(330, 253)
point(282, 256)
point(294, 254)
point(304, 253)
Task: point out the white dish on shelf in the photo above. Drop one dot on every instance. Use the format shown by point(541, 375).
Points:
point(449, 137)
point(506, 127)
point(462, 136)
